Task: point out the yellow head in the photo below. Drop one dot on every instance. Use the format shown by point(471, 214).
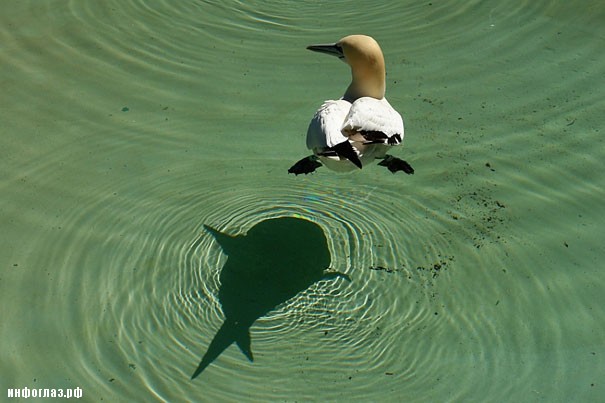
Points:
point(365, 57)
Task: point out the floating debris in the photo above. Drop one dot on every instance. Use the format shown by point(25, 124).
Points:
point(382, 268)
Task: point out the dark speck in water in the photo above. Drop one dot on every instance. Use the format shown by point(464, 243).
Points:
point(125, 109)
point(382, 268)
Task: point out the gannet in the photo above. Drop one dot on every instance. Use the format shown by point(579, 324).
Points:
point(358, 128)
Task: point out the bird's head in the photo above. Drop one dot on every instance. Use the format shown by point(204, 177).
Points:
point(364, 55)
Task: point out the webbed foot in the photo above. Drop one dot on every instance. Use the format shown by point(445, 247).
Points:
point(395, 164)
point(305, 166)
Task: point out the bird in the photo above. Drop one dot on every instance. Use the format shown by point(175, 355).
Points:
point(359, 128)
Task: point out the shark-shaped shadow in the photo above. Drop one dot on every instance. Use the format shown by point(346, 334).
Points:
point(277, 259)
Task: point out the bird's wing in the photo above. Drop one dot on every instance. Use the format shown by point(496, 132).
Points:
point(376, 116)
point(325, 127)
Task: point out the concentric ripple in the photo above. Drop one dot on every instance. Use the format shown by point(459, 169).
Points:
point(155, 272)
point(129, 126)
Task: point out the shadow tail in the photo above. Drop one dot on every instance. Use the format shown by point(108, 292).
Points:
point(229, 333)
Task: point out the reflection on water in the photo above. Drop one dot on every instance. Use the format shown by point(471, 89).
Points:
point(128, 126)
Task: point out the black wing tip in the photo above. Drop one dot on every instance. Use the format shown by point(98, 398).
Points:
point(346, 150)
point(378, 137)
point(394, 139)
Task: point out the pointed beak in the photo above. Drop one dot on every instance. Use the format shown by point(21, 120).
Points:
point(333, 49)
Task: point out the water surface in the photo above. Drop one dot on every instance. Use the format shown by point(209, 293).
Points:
point(129, 126)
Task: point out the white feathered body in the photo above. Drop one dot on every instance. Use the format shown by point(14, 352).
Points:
point(340, 120)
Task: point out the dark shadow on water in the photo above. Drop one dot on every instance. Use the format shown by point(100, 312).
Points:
point(276, 260)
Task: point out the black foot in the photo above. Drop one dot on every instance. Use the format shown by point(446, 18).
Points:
point(305, 166)
point(395, 164)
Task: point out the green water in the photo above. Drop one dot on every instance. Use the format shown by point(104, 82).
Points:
point(128, 126)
